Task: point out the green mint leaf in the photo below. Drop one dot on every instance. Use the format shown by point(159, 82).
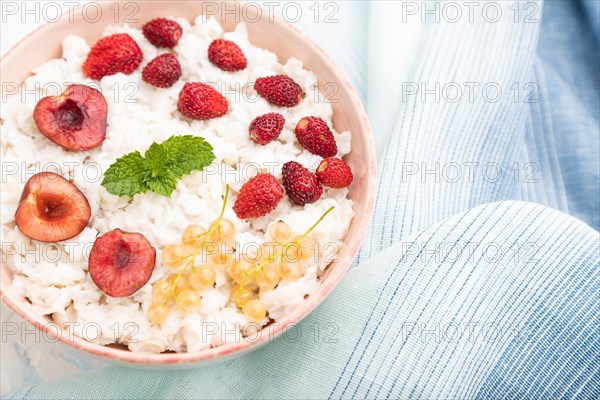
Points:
point(164, 184)
point(156, 157)
point(125, 177)
point(160, 167)
point(187, 153)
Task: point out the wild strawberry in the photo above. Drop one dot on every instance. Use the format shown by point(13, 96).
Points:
point(112, 54)
point(200, 101)
point(334, 172)
point(315, 136)
point(226, 55)
point(162, 32)
point(266, 127)
point(279, 90)
point(259, 196)
point(300, 184)
point(163, 71)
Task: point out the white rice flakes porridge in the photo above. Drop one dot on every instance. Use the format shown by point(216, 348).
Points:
point(55, 278)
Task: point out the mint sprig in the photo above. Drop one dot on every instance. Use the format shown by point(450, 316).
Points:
point(160, 168)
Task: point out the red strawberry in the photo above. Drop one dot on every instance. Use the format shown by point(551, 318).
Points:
point(300, 184)
point(226, 55)
point(280, 90)
point(315, 136)
point(162, 32)
point(334, 172)
point(266, 127)
point(200, 101)
point(163, 71)
point(121, 262)
point(111, 55)
point(259, 196)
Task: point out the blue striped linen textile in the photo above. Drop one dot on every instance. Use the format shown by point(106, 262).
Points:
point(484, 287)
point(474, 323)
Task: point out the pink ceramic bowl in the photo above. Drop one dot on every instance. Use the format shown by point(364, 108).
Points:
point(279, 37)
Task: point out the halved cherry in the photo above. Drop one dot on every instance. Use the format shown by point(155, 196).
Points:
point(75, 120)
point(51, 209)
point(121, 262)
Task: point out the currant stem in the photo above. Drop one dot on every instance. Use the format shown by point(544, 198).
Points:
point(317, 223)
point(261, 265)
point(172, 293)
point(207, 234)
point(224, 205)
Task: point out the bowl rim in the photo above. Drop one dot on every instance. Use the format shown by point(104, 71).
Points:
point(233, 349)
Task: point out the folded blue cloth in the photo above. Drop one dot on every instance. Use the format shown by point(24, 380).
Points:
point(474, 280)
